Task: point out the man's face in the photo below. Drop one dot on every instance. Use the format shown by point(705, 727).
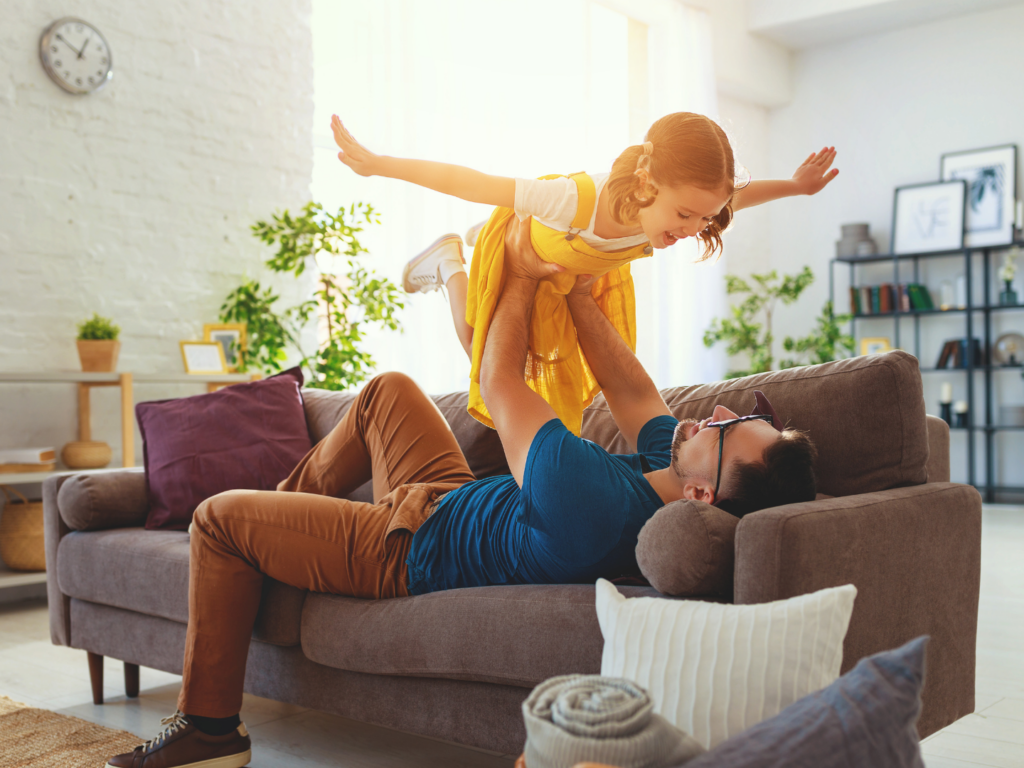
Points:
point(695, 446)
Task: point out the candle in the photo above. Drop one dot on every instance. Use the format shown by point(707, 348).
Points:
point(947, 393)
point(960, 406)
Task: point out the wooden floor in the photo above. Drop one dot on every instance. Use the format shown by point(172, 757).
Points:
point(38, 673)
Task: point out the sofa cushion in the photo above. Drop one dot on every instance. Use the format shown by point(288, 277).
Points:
point(513, 635)
point(866, 717)
point(687, 547)
point(866, 415)
point(247, 436)
point(147, 572)
point(104, 500)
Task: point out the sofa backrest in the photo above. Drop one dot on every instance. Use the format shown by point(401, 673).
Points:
point(865, 414)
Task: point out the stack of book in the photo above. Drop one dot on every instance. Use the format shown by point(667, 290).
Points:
point(954, 354)
point(27, 460)
point(885, 298)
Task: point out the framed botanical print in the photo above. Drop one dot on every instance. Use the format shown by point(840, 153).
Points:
point(929, 218)
point(991, 178)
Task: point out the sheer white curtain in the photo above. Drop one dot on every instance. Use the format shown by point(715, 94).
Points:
point(518, 88)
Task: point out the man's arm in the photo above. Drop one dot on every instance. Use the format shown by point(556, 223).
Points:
point(517, 411)
point(632, 397)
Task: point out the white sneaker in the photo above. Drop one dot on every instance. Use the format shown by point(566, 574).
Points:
point(423, 273)
point(473, 231)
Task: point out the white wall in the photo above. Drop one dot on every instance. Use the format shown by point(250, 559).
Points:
point(136, 201)
point(892, 104)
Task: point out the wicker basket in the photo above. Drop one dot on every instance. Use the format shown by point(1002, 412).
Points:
point(21, 533)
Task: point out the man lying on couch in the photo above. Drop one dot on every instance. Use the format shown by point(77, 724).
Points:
point(569, 512)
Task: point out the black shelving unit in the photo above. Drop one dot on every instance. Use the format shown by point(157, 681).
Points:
point(988, 429)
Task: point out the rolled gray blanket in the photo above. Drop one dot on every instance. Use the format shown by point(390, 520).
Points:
point(579, 718)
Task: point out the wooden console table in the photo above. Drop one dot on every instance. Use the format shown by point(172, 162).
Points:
point(127, 382)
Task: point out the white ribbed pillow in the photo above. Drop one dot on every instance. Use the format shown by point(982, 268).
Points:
point(715, 670)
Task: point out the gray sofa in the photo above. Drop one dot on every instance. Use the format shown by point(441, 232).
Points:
point(456, 665)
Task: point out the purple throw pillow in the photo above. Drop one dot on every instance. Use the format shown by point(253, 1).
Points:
point(248, 436)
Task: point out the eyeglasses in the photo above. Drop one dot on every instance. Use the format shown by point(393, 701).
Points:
point(763, 411)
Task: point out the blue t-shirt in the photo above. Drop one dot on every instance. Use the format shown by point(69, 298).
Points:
point(576, 518)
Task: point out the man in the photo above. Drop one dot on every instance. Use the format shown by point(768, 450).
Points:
point(568, 513)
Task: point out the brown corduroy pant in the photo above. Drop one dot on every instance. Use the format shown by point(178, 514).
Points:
point(303, 535)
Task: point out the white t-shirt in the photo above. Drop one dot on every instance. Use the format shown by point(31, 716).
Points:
point(552, 202)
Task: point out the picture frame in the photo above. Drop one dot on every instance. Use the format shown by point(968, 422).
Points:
point(929, 217)
point(203, 357)
point(873, 345)
point(991, 177)
point(231, 336)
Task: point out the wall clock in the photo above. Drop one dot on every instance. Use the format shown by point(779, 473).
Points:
point(75, 56)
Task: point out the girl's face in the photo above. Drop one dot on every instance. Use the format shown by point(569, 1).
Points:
point(679, 212)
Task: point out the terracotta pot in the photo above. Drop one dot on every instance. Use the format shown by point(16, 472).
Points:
point(99, 356)
point(89, 455)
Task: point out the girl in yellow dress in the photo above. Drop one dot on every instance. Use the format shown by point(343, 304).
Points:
point(681, 182)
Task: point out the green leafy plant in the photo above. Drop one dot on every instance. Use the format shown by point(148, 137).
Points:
point(348, 298)
point(825, 343)
point(98, 328)
point(745, 333)
point(742, 332)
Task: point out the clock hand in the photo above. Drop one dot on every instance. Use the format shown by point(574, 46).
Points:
point(83, 48)
point(69, 45)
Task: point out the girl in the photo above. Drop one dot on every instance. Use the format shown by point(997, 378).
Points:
point(679, 183)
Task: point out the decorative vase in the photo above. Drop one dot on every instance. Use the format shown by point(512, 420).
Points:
point(98, 356)
point(86, 455)
point(1007, 296)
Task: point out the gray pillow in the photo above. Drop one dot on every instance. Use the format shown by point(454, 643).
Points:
point(686, 549)
point(865, 718)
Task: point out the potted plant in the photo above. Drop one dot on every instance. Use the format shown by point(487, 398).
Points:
point(98, 346)
point(1008, 296)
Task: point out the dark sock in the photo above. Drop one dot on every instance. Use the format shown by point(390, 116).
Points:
point(215, 726)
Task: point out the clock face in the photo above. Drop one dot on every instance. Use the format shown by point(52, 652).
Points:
point(75, 56)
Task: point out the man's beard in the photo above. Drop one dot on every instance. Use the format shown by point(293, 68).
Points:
point(677, 441)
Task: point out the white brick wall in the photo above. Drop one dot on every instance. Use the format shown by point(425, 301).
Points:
point(136, 201)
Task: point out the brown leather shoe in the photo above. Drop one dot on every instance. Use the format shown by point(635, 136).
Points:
point(182, 745)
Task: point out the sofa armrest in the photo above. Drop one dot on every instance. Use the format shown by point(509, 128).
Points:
point(914, 555)
point(938, 450)
point(104, 500)
point(85, 503)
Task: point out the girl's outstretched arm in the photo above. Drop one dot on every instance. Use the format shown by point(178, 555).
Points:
point(454, 180)
point(809, 179)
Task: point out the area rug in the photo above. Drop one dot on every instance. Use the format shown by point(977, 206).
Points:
point(38, 738)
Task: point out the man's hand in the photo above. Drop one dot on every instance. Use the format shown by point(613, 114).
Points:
point(521, 260)
point(583, 286)
point(813, 174)
point(353, 154)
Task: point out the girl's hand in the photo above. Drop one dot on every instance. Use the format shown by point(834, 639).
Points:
point(353, 154)
point(813, 174)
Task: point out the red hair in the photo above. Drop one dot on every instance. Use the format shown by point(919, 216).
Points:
point(688, 150)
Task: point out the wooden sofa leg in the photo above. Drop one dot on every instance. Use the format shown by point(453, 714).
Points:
point(131, 680)
point(96, 676)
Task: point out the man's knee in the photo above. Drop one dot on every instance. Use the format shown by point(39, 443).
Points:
point(394, 382)
point(209, 513)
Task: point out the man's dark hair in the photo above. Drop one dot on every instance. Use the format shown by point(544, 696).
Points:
point(786, 476)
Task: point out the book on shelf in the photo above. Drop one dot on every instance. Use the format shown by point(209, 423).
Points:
point(27, 460)
point(887, 298)
point(954, 354)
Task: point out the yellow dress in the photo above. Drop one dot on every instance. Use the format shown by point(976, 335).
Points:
point(555, 366)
